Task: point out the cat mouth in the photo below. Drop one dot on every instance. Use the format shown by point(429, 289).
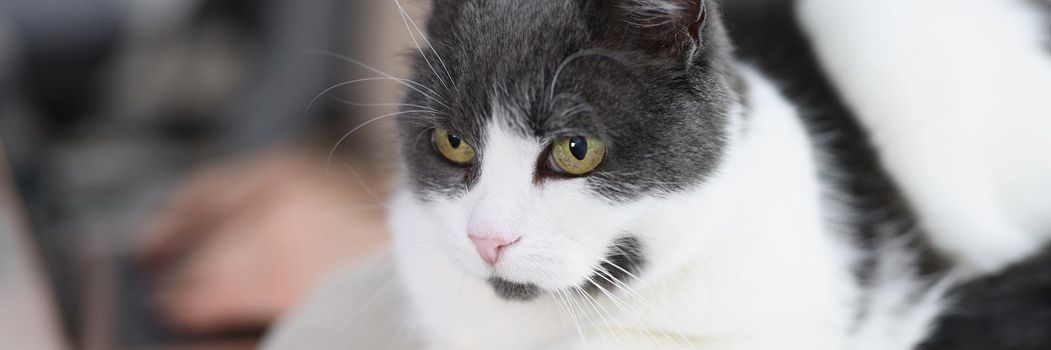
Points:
point(614, 272)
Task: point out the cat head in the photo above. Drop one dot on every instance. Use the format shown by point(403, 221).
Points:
point(546, 132)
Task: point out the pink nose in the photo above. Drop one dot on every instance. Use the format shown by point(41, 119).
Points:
point(491, 247)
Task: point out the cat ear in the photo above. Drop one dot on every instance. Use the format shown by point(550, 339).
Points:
point(669, 18)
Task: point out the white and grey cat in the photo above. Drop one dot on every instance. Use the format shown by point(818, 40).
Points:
point(607, 174)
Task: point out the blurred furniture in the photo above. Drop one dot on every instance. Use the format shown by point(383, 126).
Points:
point(105, 107)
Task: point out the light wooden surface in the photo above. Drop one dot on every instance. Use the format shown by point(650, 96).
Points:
point(27, 319)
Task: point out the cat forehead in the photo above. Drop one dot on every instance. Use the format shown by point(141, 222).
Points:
point(510, 40)
point(516, 15)
point(493, 60)
point(542, 63)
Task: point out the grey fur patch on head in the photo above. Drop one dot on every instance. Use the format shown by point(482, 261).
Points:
point(562, 68)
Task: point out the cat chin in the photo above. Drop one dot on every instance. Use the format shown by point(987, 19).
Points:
point(513, 290)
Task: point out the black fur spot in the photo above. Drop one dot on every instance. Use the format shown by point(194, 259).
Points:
point(626, 254)
point(513, 290)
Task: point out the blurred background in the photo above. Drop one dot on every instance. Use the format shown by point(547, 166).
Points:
point(163, 183)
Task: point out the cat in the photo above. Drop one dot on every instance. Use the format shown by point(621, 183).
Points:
point(585, 174)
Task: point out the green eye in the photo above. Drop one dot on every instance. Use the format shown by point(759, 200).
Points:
point(578, 155)
point(452, 147)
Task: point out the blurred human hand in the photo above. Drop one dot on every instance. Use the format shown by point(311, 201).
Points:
point(241, 243)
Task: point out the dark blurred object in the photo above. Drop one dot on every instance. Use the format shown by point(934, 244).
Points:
point(64, 46)
point(105, 105)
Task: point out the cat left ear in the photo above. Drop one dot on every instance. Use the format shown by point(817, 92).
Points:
point(670, 16)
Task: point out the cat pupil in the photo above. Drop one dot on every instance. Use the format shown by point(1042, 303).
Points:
point(578, 145)
point(454, 140)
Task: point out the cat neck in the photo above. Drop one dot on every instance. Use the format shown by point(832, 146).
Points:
point(767, 189)
point(758, 237)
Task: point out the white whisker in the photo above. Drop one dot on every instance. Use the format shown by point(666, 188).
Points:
point(405, 18)
point(345, 83)
point(634, 313)
point(332, 153)
point(359, 104)
point(354, 209)
point(576, 321)
point(583, 312)
point(416, 140)
point(605, 274)
point(361, 182)
point(565, 63)
point(603, 315)
point(425, 40)
point(409, 83)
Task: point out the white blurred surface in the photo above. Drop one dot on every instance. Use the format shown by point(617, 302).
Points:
point(28, 318)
